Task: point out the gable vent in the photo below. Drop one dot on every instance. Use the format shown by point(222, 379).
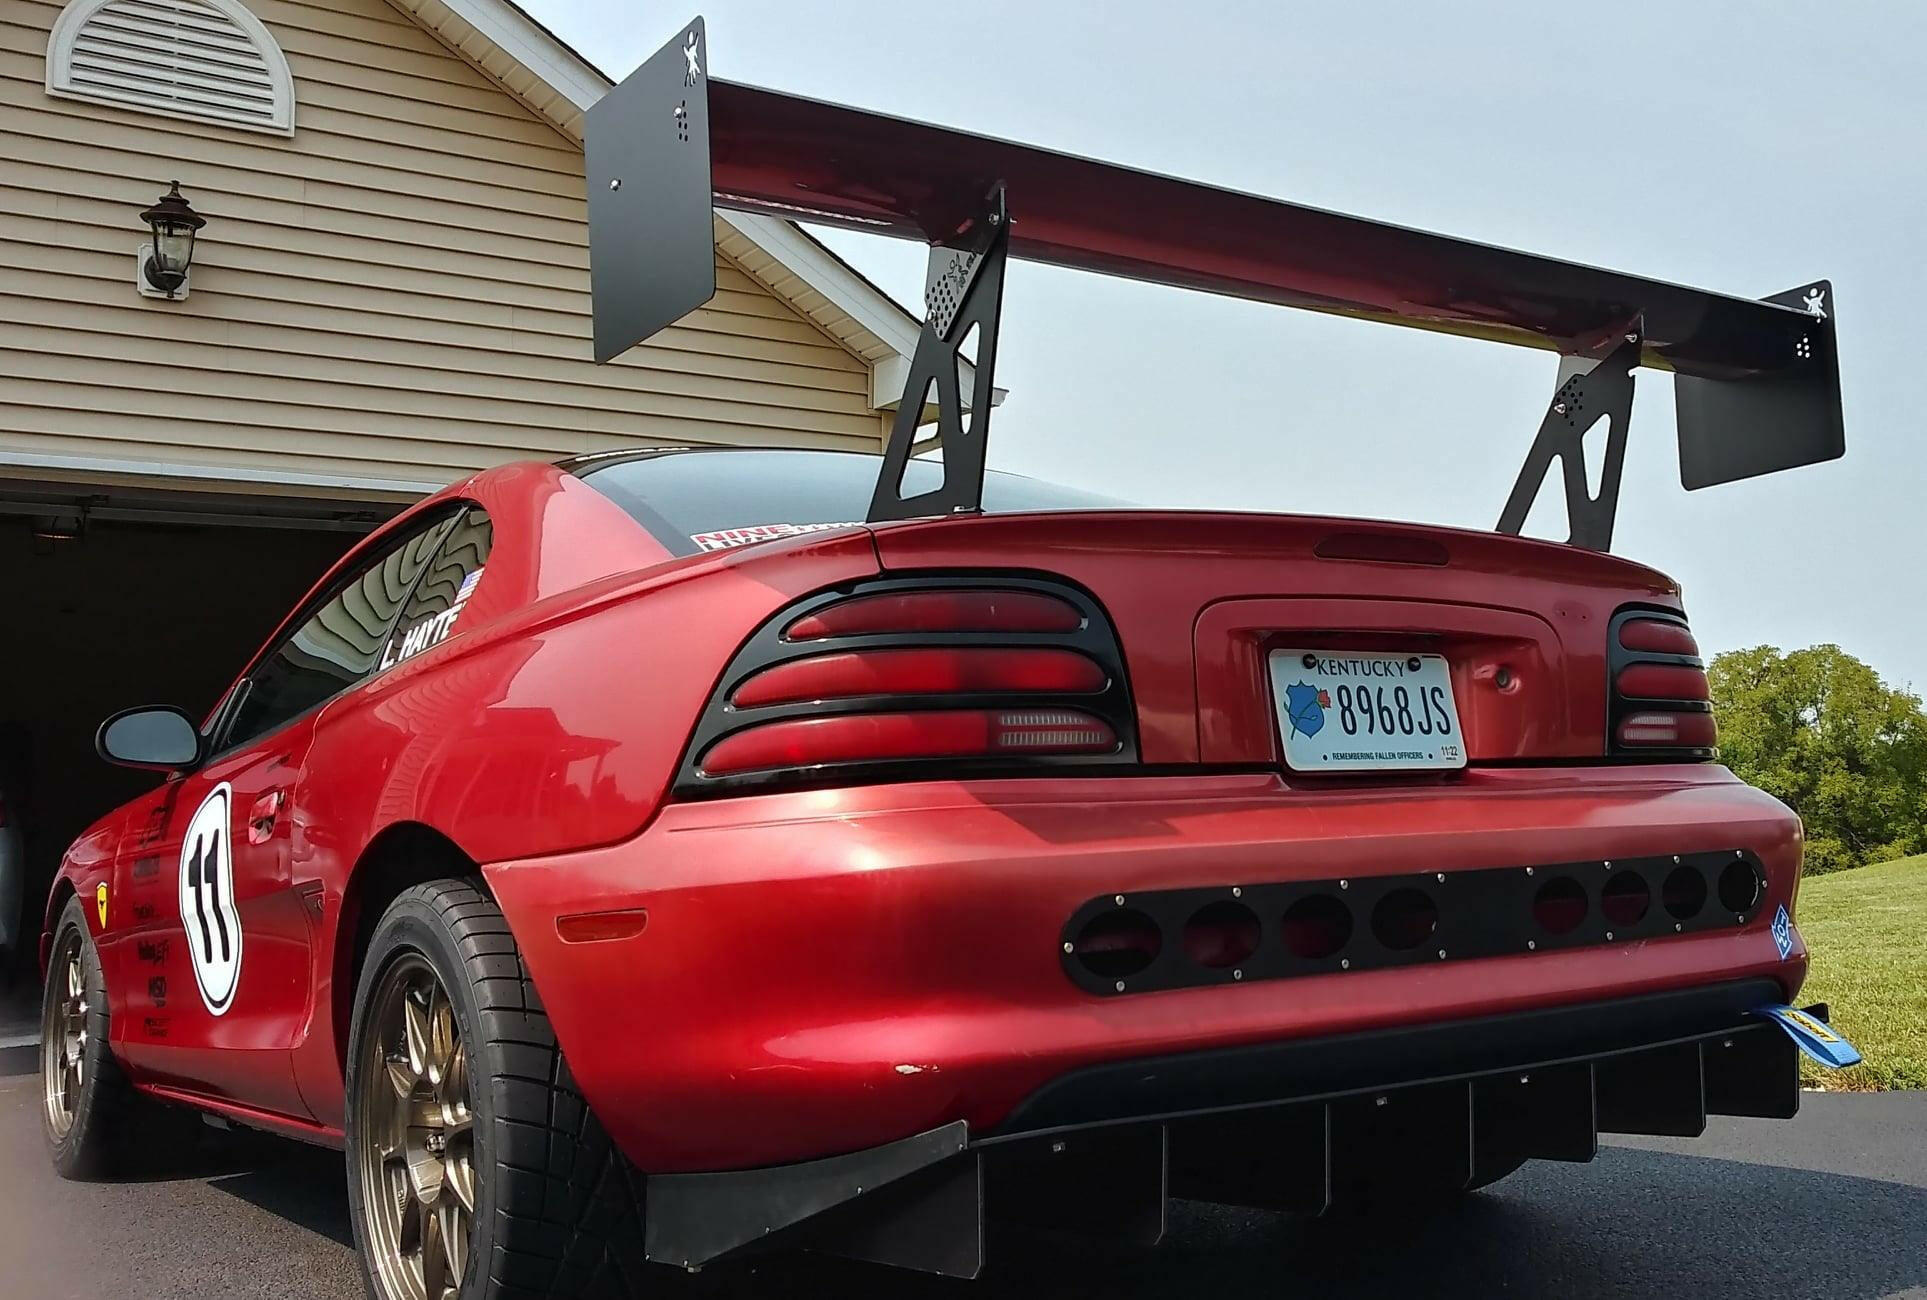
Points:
point(208, 60)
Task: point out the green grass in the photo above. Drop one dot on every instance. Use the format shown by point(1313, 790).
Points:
point(1867, 929)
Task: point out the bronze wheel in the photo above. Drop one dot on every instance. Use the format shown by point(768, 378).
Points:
point(415, 1152)
point(63, 1036)
point(474, 1166)
point(86, 1104)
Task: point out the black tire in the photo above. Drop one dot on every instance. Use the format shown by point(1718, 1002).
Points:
point(102, 1107)
point(558, 1210)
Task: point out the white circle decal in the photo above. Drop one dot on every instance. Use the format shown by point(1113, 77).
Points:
point(208, 913)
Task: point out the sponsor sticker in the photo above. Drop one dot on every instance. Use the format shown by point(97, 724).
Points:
point(728, 539)
point(434, 629)
point(1783, 932)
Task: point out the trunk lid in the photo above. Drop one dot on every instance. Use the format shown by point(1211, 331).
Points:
point(1200, 599)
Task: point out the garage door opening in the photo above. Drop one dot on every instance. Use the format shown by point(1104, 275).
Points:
point(125, 599)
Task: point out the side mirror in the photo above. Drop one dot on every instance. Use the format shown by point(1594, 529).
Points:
point(163, 738)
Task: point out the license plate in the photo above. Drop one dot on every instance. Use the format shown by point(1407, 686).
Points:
point(1352, 711)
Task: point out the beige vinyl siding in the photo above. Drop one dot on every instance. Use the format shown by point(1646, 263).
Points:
point(398, 292)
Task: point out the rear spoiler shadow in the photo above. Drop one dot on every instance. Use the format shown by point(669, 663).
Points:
point(1757, 381)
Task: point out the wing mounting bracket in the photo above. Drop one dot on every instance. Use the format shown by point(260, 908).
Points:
point(1588, 392)
point(963, 292)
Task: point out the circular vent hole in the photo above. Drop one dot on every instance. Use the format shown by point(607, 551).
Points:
point(1739, 887)
point(1117, 943)
point(1560, 905)
point(1404, 919)
point(1683, 893)
point(1626, 898)
point(1317, 925)
point(1221, 934)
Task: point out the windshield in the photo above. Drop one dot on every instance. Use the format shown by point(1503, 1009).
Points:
point(714, 500)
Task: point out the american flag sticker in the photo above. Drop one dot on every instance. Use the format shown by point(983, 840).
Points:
point(468, 584)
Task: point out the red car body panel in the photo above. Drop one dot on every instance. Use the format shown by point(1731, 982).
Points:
point(828, 970)
point(831, 968)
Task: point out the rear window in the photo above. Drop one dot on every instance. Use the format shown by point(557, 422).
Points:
point(715, 500)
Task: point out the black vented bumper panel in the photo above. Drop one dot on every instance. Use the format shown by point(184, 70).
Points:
point(1179, 938)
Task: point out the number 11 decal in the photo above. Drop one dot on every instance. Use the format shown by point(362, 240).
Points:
point(208, 912)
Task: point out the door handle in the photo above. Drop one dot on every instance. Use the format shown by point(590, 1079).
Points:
point(262, 816)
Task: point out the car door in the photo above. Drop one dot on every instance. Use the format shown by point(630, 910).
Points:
point(221, 942)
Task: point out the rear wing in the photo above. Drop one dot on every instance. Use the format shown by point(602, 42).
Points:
point(1757, 381)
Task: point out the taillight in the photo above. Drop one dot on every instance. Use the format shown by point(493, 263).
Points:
point(1669, 728)
point(1657, 636)
point(929, 670)
point(917, 677)
point(882, 737)
point(1662, 682)
point(1660, 703)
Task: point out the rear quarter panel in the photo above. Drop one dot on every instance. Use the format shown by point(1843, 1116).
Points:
point(553, 729)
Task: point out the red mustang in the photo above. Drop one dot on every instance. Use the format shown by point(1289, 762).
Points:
point(670, 854)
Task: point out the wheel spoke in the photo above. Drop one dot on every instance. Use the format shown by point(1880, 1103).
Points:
point(453, 1093)
point(415, 1033)
point(458, 1179)
point(396, 1135)
point(434, 1254)
point(454, 1235)
point(74, 982)
point(401, 1195)
point(442, 1041)
point(402, 1075)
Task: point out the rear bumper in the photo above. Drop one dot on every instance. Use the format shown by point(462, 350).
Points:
point(830, 971)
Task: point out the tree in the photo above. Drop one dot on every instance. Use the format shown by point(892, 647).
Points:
point(1820, 730)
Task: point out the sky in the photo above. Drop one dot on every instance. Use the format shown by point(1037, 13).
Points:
point(1740, 147)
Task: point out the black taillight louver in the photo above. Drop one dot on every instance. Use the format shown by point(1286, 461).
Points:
point(1658, 700)
point(985, 674)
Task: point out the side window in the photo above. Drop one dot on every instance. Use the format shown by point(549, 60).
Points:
point(451, 579)
point(339, 642)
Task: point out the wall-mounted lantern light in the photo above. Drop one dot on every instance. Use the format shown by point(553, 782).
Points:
point(162, 265)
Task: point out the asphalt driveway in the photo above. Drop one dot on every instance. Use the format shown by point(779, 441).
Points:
point(1833, 1204)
